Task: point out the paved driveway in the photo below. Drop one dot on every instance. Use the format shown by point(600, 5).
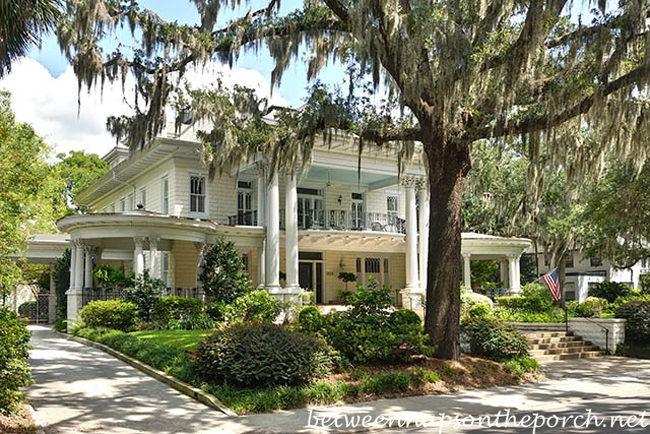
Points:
point(81, 389)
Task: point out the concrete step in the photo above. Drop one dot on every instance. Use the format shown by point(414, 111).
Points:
point(583, 355)
point(538, 341)
point(544, 335)
point(571, 350)
point(551, 345)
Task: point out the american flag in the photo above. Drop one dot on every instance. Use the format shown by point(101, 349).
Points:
point(553, 282)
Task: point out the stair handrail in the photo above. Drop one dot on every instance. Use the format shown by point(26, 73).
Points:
point(566, 322)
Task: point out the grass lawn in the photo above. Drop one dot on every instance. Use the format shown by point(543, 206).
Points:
point(181, 339)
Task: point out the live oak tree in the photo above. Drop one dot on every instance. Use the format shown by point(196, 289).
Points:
point(464, 70)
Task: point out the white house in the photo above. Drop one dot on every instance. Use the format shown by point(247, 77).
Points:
point(583, 273)
point(158, 209)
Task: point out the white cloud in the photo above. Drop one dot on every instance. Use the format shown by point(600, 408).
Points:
point(50, 104)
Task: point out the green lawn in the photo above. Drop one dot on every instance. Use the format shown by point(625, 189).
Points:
point(182, 339)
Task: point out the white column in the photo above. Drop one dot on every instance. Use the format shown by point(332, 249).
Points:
point(73, 263)
point(138, 256)
point(467, 271)
point(88, 267)
point(200, 252)
point(291, 232)
point(79, 267)
point(154, 269)
point(74, 294)
point(513, 274)
point(273, 235)
point(261, 221)
point(424, 234)
point(411, 239)
point(503, 275)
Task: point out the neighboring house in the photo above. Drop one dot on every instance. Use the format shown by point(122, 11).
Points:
point(584, 273)
point(159, 209)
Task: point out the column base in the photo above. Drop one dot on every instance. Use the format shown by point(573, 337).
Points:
point(75, 303)
point(412, 299)
point(290, 299)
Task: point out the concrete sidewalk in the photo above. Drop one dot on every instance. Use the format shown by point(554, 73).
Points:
point(81, 389)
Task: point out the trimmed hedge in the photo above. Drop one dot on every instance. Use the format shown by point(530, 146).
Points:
point(592, 306)
point(637, 326)
point(113, 314)
point(176, 308)
point(494, 339)
point(310, 318)
point(260, 354)
point(14, 369)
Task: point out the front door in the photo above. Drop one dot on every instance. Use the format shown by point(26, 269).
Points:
point(310, 278)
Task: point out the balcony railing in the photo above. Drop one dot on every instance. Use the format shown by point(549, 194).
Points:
point(344, 220)
point(243, 218)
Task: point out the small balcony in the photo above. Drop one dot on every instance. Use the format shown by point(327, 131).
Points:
point(245, 218)
point(344, 220)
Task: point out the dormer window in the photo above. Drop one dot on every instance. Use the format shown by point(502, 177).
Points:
point(197, 193)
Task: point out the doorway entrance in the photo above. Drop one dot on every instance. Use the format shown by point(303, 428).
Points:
point(310, 277)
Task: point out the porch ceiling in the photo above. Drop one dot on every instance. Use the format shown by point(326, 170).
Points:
point(351, 241)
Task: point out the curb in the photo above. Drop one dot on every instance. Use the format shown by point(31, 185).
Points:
point(37, 422)
point(186, 389)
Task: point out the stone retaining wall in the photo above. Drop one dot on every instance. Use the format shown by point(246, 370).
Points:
point(590, 330)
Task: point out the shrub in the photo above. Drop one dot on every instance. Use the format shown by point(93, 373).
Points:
point(175, 308)
point(27, 309)
point(255, 306)
point(61, 277)
point(610, 290)
point(15, 372)
point(261, 354)
point(521, 315)
point(539, 297)
point(113, 314)
point(217, 311)
point(637, 326)
point(592, 306)
point(144, 293)
point(310, 318)
point(404, 317)
point(469, 299)
point(521, 365)
point(200, 321)
point(223, 276)
point(366, 333)
point(494, 339)
point(479, 310)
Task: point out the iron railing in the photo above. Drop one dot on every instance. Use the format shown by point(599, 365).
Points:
point(93, 294)
point(243, 218)
point(345, 220)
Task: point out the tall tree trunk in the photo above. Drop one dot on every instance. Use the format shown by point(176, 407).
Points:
point(536, 258)
point(448, 167)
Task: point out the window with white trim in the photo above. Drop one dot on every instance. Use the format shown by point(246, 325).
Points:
point(122, 205)
point(130, 202)
point(392, 207)
point(113, 207)
point(165, 196)
point(164, 268)
point(197, 193)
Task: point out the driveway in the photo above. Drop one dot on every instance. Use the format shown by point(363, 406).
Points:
point(82, 389)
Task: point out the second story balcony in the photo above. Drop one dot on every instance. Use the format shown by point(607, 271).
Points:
point(332, 219)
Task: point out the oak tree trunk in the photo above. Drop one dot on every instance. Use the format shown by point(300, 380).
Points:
point(448, 166)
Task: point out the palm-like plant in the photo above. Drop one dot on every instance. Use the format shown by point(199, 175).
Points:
point(22, 22)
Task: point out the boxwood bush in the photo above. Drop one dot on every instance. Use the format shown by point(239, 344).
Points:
point(255, 306)
point(494, 339)
point(113, 314)
point(176, 308)
point(592, 306)
point(470, 299)
point(14, 369)
point(310, 318)
point(261, 354)
point(637, 326)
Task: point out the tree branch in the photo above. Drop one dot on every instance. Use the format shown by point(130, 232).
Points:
point(546, 121)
